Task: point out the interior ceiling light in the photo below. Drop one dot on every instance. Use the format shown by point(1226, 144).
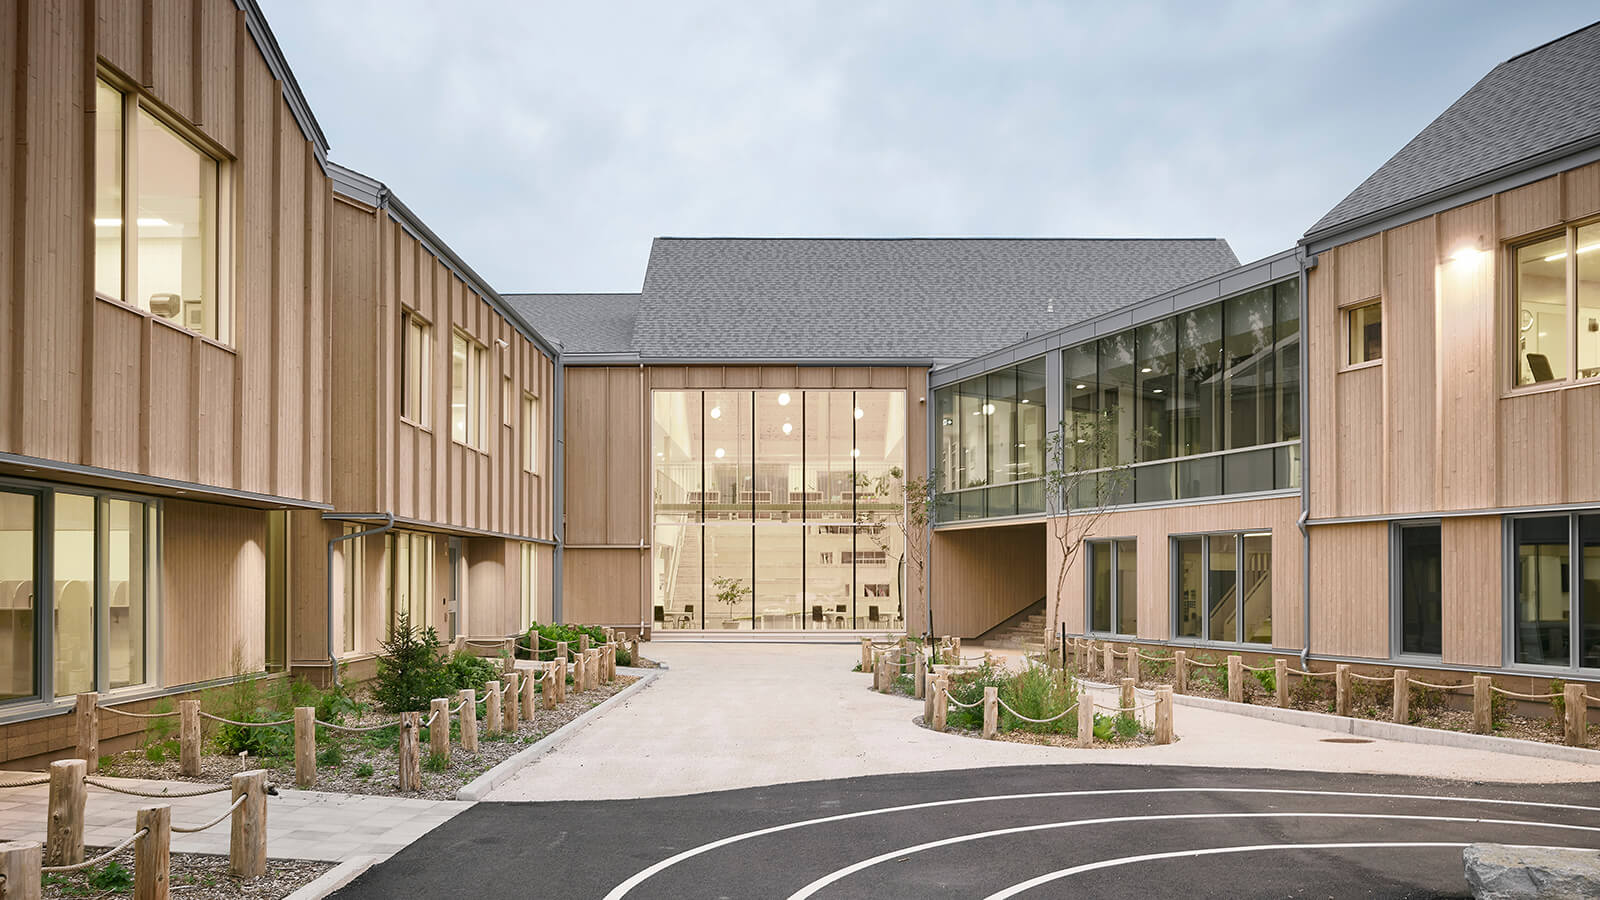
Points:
point(988, 409)
point(1551, 258)
point(1081, 386)
point(783, 399)
point(1146, 370)
point(719, 453)
point(859, 412)
point(787, 428)
point(716, 412)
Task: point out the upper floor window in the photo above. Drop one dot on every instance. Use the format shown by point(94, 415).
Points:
point(1364, 332)
point(1557, 307)
point(418, 381)
point(159, 206)
point(468, 371)
point(530, 433)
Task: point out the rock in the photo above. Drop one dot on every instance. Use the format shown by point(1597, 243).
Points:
point(1499, 872)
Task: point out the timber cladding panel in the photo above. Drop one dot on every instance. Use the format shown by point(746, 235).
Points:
point(1435, 426)
point(983, 576)
point(213, 591)
point(603, 587)
point(99, 383)
point(1153, 530)
point(1349, 600)
point(1471, 613)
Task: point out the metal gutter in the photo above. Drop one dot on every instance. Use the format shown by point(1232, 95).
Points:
point(201, 492)
point(558, 506)
point(388, 523)
point(1307, 263)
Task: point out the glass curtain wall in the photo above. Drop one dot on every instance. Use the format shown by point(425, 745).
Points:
point(18, 609)
point(991, 432)
point(763, 509)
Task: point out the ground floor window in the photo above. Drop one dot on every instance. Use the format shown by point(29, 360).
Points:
point(530, 584)
point(1113, 586)
point(410, 578)
point(1222, 587)
point(97, 554)
point(1556, 590)
point(354, 553)
point(1419, 589)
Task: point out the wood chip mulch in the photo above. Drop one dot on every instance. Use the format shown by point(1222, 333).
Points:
point(202, 876)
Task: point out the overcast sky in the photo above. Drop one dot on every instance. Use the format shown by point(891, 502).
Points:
point(547, 143)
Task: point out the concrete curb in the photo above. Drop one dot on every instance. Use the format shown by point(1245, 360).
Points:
point(334, 879)
point(1387, 731)
point(479, 787)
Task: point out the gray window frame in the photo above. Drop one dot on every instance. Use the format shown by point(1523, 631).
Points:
point(1397, 591)
point(1114, 542)
point(1174, 579)
point(1508, 573)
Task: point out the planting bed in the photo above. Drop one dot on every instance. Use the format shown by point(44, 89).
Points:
point(201, 876)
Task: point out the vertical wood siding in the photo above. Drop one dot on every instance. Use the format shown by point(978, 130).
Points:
point(213, 591)
point(983, 576)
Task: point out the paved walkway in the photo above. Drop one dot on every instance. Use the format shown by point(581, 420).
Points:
point(300, 824)
point(745, 715)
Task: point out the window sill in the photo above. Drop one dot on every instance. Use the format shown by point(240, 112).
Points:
point(1356, 367)
point(404, 420)
point(160, 320)
point(1547, 387)
point(465, 446)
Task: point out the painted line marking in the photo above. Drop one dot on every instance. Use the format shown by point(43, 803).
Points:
point(1048, 877)
point(852, 869)
point(638, 878)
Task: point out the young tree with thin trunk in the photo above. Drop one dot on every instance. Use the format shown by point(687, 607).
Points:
point(907, 513)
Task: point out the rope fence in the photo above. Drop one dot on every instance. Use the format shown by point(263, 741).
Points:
point(1448, 688)
point(1386, 679)
point(162, 794)
point(126, 843)
point(227, 813)
point(27, 782)
point(133, 715)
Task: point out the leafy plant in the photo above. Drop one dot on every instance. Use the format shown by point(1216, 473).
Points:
point(331, 755)
point(569, 633)
point(364, 770)
point(436, 762)
point(730, 592)
point(112, 876)
point(410, 673)
point(1558, 703)
point(1038, 693)
point(1268, 680)
point(464, 670)
point(969, 689)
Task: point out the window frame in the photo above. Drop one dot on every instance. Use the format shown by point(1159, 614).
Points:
point(1509, 658)
point(477, 374)
point(221, 279)
point(1397, 590)
point(1114, 543)
point(1174, 580)
point(418, 416)
point(1346, 321)
point(1510, 319)
point(530, 434)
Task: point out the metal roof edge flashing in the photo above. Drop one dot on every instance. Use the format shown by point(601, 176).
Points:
point(267, 43)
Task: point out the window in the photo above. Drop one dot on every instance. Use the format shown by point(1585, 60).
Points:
point(418, 383)
point(411, 578)
point(468, 371)
point(991, 436)
point(1113, 586)
point(1222, 587)
point(1364, 329)
point(875, 591)
point(530, 584)
point(530, 433)
point(1555, 558)
point(1419, 592)
point(167, 261)
point(354, 555)
point(1557, 307)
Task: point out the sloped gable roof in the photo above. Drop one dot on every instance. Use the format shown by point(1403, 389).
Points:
point(582, 323)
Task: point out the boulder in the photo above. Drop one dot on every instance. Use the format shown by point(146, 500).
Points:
point(1500, 872)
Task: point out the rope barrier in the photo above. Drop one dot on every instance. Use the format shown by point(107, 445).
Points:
point(1126, 709)
point(1151, 658)
point(1523, 696)
point(1593, 701)
point(1203, 665)
point(458, 708)
point(29, 782)
point(288, 721)
point(155, 795)
point(1007, 707)
point(50, 870)
point(1359, 677)
point(951, 697)
point(1439, 687)
point(1310, 674)
point(354, 729)
point(1256, 668)
point(475, 643)
point(431, 716)
point(191, 829)
point(133, 715)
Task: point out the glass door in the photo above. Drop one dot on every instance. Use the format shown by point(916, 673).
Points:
point(19, 621)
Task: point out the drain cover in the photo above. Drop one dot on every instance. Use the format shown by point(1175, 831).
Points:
point(1347, 740)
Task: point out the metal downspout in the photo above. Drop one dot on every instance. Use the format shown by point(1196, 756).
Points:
point(1306, 264)
point(558, 467)
point(388, 523)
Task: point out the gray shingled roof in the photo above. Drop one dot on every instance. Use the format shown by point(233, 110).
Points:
point(1541, 101)
point(583, 323)
point(913, 298)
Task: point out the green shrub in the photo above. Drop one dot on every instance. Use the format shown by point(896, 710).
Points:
point(364, 770)
point(331, 755)
point(553, 633)
point(160, 750)
point(112, 876)
point(464, 670)
point(969, 689)
point(410, 673)
point(245, 701)
point(436, 762)
point(1267, 679)
point(625, 655)
point(1038, 693)
point(1558, 703)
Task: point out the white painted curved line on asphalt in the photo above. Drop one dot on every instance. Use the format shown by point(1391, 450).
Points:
point(1048, 877)
point(840, 874)
point(642, 875)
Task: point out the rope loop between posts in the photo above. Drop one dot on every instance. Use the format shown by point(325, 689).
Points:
point(1154, 658)
point(1593, 701)
point(1007, 707)
point(1126, 709)
point(1523, 696)
point(133, 715)
point(1439, 687)
point(206, 715)
point(951, 697)
point(53, 870)
point(27, 782)
point(429, 720)
point(1203, 665)
point(458, 707)
point(1256, 668)
point(155, 795)
point(191, 829)
point(478, 643)
point(354, 729)
point(1359, 677)
point(1310, 674)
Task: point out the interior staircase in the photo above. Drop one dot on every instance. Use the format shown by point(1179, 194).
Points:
point(1023, 631)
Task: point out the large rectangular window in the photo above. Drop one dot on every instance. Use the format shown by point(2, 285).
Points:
point(468, 392)
point(417, 383)
point(1419, 592)
point(157, 234)
point(411, 567)
point(353, 556)
point(1113, 586)
point(530, 584)
point(19, 625)
point(990, 440)
point(1556, 590)
point(1556, 307)
point(1222, 587)
point(531, 438)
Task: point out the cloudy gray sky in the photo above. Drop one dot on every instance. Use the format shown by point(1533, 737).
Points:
point(549, 142)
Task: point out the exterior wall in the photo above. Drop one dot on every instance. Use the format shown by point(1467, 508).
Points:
point(983, 576)
point(99, 383)
point(1153, 529)
point(213, 597)
point(605, 571)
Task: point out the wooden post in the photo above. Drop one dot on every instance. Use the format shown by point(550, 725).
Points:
point(561, 652)
point(866, 654)
point(305, 747)
point(491, 708)
point(1482, 704)
point(1133, 663)
point(247, 848)
point(1341, 689)
point(1402, 696)
point(439, 731)
point(594, 668)
point(1108, 663)
point(1180, 672)
point(547, 685)
point(527, 691)
point(877, 671)
point(919, 674)
point(1577, 718)
point(561, 680)
point(410, 751)
point(19, 870)
point(87, 716)
point(1127, 703)
point(955, 644)
point(1164, 714)
point(1085, 716)
point(189, 737)
point(941, 703)
point(152, 853)
point(1280, 681)
point(469, 720)
point(991, 712)
point(583, 643)
point(930, 687)
point(513, 705)
point(1235, 678)
point(63, 834)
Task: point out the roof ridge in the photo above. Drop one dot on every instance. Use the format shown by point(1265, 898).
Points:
point(1573, 32)
point(671, 237)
